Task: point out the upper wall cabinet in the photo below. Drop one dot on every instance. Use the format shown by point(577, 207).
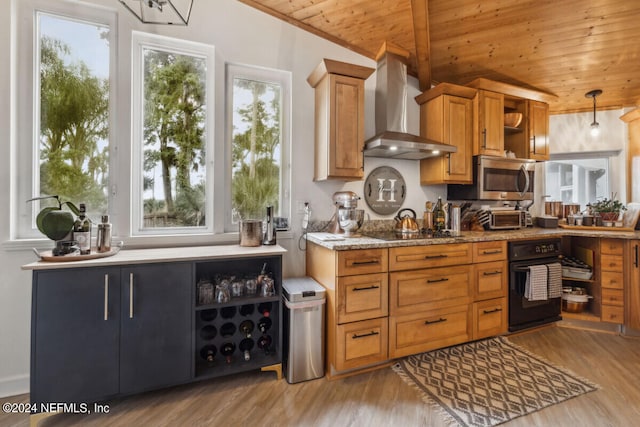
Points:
point(488, 123)
point(339, 120)
point(446, 116)
point(530, 139)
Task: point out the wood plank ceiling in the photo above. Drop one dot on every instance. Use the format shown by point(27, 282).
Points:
point(562, 47)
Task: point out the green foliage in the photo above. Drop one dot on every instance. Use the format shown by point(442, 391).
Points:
point(54, 222)
point(608, 205)
point(256, 171)
point(74, 111)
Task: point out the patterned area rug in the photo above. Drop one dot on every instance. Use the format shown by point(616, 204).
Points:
point(488, 382)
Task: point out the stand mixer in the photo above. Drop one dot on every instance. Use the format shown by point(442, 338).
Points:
point(347, 219)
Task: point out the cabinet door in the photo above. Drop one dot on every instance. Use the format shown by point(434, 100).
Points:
point(489, 123)
point(75, 331)
point(538, 130)
point(490, 318)
point(155, 345)
point(346, 127)
point(632, 306)
point(448, 119)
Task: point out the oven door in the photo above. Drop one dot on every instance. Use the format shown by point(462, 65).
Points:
point(522, 312)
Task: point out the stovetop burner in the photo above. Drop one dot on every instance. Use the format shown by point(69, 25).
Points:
point(422, 234)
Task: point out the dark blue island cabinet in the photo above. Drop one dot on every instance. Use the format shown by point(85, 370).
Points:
point(117, 326)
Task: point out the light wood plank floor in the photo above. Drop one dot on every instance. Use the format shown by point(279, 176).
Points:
point(378, 398)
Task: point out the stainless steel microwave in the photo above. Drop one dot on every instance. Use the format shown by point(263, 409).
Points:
point(497, 178)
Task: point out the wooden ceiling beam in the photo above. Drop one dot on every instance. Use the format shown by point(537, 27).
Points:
point(420, 15)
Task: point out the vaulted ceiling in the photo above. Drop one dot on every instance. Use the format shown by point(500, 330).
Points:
point(564, 48)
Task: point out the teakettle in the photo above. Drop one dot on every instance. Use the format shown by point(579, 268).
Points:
point(407, 223)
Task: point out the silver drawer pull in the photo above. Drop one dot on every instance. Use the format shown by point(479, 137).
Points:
point(442, 279)
point(356, 336)
point(106, 297)
point(492, 273)
point(130, 295)
point(499, 251)
point(371, 261)
point(495, 310)
point(431, 322)
point(367, 288)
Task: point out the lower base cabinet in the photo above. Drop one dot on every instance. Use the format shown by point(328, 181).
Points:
point(103, 332)
point(490, 318)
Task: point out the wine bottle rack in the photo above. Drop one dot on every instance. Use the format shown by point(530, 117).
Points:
point(219, 324)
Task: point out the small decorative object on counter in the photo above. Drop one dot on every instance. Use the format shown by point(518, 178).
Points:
point(205, 292)
point(270, 230)
point(237, 288)
point(438, 213)
point(222, 292)
point(103, 241)
point(251, 286)
point(82, 231)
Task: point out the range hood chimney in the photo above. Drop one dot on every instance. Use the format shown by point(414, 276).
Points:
point(392, 139)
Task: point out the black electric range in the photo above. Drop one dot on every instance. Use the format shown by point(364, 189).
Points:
point(423, 234)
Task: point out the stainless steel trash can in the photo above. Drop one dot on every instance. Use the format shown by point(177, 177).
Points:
point(304, 301)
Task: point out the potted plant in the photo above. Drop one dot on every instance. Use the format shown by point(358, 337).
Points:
point(53, 221)
point(608, 209)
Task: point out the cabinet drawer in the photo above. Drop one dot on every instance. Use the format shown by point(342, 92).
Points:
point(489, 318)
point(612, 246)
point(362, 261)
point(612, 279)
point(424, 331)
point(491, 279)
point(431, 288)
point(362, 297)
point(611, 263)
point(489, 251)
point(612, 314)
point(613, 297)
point(414, 257)
point(360, 344)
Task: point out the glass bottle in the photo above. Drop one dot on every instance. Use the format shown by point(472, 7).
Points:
point(439, 217)
point(246, 327)
point(82, 231)
point(245, 347)
point(264, 324)
point(264, 343)
point(227, 350)
point(103, 241)
point(208, 352)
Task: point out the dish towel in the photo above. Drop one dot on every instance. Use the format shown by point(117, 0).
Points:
point(535, 287)
point(555, 280)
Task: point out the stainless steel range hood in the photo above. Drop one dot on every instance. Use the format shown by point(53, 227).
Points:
point(391, 139)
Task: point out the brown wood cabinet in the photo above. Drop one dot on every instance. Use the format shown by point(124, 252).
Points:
point(632, 291)
point(339, 120)
point(490, 290)
point(612, 280)
point(446, 116)
point(357, 306)
point(530, 140)
point(488, 123)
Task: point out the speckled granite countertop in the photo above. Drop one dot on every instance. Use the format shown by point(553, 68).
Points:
point(364, 242)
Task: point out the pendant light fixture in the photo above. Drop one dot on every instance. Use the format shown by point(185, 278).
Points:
point(165, 12)
point(595, 126)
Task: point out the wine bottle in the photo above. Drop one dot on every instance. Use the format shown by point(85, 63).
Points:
point(246, 327)
point(264, 324)
point(208, 352)
point(227, 329)
point(208, 332)
point(264, 343)
point(438, 213)
point(245, 347)
point(227, 350)
point(82, 231)
point(265, 308)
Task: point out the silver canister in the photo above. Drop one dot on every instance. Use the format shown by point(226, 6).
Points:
point(103, 241)
point(250, 232)
point(455, 220)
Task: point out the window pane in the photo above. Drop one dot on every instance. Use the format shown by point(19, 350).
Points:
point(577, 180)
point(174, 161)
point(256, 148)
point(73, 141)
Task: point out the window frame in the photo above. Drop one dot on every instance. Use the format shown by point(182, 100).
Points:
point(26, 143)
point(139, 41)
point(268, 75)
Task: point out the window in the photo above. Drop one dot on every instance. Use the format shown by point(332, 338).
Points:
point(172, 119)
point(66, 114)
point(259, 105)
point(582, 178)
